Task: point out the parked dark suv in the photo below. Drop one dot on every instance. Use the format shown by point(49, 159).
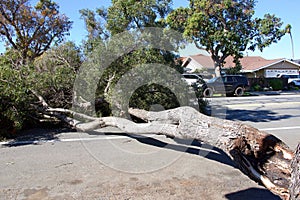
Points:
point(228, 84)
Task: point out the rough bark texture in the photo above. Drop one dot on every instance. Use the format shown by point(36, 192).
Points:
point(261, 156)
point(295, 178)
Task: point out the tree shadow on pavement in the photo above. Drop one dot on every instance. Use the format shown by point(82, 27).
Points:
point(35, 136)
point(252, 193)
point(194, 147)
point(251, 115)
point(188, 146)
point(212, 153)
point(255, 115)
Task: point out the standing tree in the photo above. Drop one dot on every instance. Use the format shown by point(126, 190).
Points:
point(56, 71)
point(126, 15)
point(131, 16)
point(226, 28)
point(32, 30)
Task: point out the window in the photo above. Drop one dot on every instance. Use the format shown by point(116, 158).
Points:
point(229, 79)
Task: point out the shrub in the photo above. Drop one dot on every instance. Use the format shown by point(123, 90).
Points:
point(256, 87)
point(14, 99)
point(18, 105)
point(276, 84)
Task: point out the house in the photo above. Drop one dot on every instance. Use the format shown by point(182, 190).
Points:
point(198, 63)
point(297, 61)
point(252, 66)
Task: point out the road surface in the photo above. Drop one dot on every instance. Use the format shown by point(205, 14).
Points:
point(70, 165)
point(278, 115)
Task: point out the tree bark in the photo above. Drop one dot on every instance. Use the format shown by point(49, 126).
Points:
point(295, 177)
point(261, 156)
point(217, 70)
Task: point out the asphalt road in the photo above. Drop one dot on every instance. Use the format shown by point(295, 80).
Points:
point(278, 115)
point(95, 165)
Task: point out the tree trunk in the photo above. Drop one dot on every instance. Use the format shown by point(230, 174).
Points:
point(261, 156)
point(295, 178)
point(217, 70)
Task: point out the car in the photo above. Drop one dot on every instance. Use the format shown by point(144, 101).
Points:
point(193, 79)
point(227, 84)
point(293, 79)
point(205, 76)
point(295, 83)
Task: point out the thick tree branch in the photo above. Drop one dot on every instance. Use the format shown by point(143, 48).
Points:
point(109, 82)
point(295, 178)
point(6, 33)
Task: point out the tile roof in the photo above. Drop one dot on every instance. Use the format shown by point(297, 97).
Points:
point(204, 60)
point(251, 63)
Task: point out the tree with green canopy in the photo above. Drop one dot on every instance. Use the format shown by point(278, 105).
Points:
point(130, 17)
point(128, 14)
point(124, 15)
point(32, 30)
point(226, 28)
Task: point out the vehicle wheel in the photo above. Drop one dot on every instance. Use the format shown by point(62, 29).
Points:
point(208, 92)
point(239, 91)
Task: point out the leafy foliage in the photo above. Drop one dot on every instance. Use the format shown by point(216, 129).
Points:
point(32, 30)
point(235, 69)
point(128, 14)
point(52, 75)
point(56, 70)
point(14, 99)
point(32, 65)
point(104, 25)
point(29, 32)
point(150, 95)
point(276, 84)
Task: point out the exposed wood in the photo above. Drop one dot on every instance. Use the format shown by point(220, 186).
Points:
point(259, 155)
point(109, 82)
point(295, 178)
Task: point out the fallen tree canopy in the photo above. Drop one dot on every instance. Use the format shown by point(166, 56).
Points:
point(261, 156)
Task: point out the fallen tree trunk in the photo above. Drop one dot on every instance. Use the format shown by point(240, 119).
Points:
point(295, 178)
point(261, 156)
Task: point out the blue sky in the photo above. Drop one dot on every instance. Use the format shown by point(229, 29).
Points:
point(286, 10)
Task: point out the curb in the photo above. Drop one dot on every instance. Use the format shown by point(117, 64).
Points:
point(269, 93)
